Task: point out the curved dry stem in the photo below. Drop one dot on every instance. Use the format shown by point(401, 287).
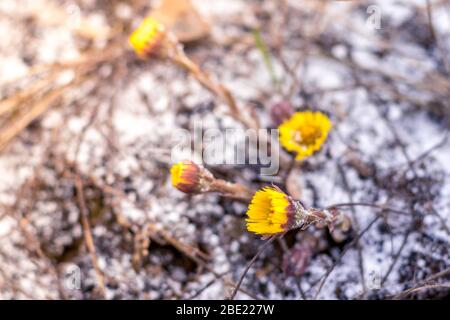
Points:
point(261, 250)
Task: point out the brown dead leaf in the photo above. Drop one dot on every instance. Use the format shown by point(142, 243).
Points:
point(182, 18)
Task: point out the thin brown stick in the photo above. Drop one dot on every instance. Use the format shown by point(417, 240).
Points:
point(193, 253)
point(16, 126)
point(232, 190)
point(435, 37)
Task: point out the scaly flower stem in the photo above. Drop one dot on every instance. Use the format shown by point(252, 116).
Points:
point(232, 190)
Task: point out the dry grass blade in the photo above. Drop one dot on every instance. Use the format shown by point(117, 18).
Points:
point(17, 124)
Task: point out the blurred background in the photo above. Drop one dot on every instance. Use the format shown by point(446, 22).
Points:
point(87, 210)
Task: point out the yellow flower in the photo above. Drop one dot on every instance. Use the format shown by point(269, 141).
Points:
point(304, 133)
point(147, 36)
point(270, 212)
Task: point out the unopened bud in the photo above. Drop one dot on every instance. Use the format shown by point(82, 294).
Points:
point(146, 39)
point(190, 177)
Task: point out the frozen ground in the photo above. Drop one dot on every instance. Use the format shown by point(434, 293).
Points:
point(386, 91)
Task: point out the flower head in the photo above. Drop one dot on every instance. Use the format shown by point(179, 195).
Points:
point(185, 176)
point(304, 133)
point(189, 177)
point(147, 37)
point(270, 212)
